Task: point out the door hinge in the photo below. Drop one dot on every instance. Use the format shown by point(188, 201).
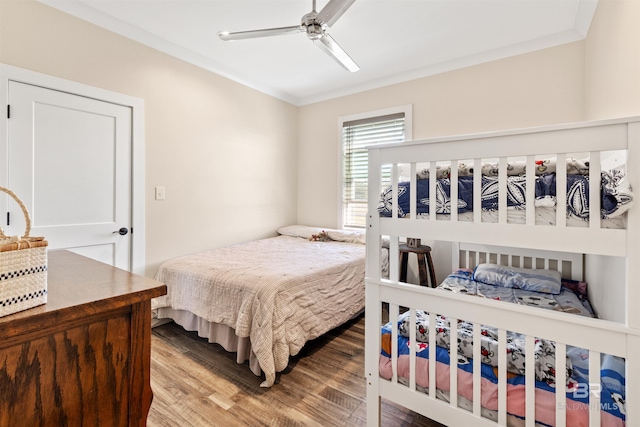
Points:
point(8, 111)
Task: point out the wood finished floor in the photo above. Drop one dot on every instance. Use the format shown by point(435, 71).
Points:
point(199, 384)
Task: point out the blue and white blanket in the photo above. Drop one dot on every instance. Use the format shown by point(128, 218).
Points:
point(461, 281)
point(616, 195)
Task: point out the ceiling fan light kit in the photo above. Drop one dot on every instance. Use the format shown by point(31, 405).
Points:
point(315, 24)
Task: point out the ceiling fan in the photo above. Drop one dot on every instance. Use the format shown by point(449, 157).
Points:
point(315, 25)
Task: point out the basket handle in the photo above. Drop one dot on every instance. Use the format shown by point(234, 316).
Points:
point(24, 211)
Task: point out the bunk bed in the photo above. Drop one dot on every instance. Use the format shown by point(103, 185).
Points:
point(497, 227)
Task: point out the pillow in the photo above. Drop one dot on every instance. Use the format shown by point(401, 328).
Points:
point(299, 231)
point(306, 232)
point(347, 236)
point(546, 281)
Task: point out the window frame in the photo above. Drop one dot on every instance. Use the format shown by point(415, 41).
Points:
point(408, 135)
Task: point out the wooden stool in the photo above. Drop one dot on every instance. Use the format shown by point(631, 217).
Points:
point(423, 253)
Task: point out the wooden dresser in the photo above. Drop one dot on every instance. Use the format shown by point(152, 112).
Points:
point(83, 358)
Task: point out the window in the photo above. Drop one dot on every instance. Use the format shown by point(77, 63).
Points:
point(358, 132)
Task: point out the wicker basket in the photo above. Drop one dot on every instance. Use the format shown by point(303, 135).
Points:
point(23, 268)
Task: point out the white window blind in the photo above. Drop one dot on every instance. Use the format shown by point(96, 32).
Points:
point(356, 135)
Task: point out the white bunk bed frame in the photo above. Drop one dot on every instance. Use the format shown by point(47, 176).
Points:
point(544, 243)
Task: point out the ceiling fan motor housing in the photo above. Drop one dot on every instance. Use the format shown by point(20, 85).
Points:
point(315, 29)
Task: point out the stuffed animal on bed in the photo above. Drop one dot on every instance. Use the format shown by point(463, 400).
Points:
point(320, 237)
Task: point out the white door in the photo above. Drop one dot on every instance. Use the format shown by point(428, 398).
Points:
point(70, 163)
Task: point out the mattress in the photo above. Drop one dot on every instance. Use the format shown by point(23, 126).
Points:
point(278, 292)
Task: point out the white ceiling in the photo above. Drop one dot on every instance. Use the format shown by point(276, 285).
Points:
point(391, 40)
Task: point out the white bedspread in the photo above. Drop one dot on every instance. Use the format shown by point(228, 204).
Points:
point(280, 292)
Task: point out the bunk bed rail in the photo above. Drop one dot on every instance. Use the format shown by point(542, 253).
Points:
point(562, 143)
point(597, 337)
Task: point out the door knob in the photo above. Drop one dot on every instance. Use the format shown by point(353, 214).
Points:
point(123, 231)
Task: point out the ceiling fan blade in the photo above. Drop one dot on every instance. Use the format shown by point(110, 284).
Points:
point(334, 10)
point(239, 35)
point(330, 46)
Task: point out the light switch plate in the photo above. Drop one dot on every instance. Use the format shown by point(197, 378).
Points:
point(160, 194)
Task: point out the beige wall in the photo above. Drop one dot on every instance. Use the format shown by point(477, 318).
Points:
point(538, 88)
point(612, 89)
point(201, 127)
point(206, 137)
point(612, 60)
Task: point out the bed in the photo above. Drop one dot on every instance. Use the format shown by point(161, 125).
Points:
point(265, 299)
point(595, 343)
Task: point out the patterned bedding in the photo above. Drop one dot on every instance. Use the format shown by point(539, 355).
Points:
point(577, 404)
point(280, 292)
point(571, 299)
point(461, 282)
point(616, 195)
